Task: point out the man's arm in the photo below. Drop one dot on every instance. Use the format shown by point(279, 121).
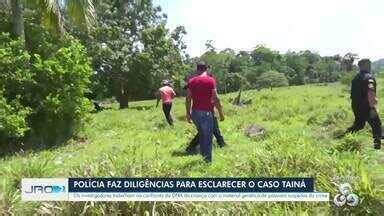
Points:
point(217, 103)
point(188, 104)
point(372, 99)
point(157, 94)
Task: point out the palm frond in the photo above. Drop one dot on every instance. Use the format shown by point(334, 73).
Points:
point(82, 12)
point(51, 16)
point(4, 4)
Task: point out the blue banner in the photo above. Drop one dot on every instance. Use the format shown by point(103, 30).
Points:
point(191, 185)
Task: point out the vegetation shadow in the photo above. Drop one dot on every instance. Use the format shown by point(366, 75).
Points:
point(183, 153)
point(181, 117)
point(10, 148)
point(141, 108)
point(192, 164)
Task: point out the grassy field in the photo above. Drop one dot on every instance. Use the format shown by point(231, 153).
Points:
point(302, 125)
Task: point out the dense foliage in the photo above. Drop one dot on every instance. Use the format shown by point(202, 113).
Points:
point(297, 68)
point(15, 82)
point(132, 51)
point(271, 79)
point(42, 97)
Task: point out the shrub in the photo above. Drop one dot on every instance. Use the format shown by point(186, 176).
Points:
point(13, 122)
point(350, 143)
point(334, 117)
point(15, 79)
point(59, 101)
point(347, 77)
point(42, 98)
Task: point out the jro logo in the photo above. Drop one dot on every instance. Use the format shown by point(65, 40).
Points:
point(49, 189)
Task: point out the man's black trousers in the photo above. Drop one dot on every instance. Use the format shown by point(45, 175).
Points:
point(167, 112)
point(365, 114)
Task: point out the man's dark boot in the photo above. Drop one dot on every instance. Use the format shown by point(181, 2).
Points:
point(191, 150)
point(221, 144)
point(377, 144)
point(192, 147)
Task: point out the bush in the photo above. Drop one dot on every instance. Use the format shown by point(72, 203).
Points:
point(347, 77)
point(59, 101)
point(40, 98)
point(15, 79)
point(13, 122)
point(350, 143)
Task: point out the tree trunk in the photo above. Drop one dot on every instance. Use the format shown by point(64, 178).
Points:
point(123, 97)
point(123, 101)
point(3, 4)
point(123, 7)
point(237, 100)
point(17, 19)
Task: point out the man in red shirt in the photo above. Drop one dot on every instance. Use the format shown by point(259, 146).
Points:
point(191, 149)
point(167, 94)
point(200, 102)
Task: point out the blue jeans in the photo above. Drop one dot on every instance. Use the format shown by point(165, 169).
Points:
point(216, 133)
point(204, 123)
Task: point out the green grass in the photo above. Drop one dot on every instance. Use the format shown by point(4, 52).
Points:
point(302, 124)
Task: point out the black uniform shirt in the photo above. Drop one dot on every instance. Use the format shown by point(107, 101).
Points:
point(362, 82)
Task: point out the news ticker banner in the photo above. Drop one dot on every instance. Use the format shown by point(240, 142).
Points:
point(172, 189)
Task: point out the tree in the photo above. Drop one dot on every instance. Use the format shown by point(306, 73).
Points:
point(132, 50)
point(262, 54)
point(17, 19)
point(328, 69)
point(348, 61)
point(81, 12)
point(272, 79)
point(209, 46)
point(297, 63)
point(220, 66)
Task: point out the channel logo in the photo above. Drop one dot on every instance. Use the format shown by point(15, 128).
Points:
point(346, 197)
point(48, 189)
point(44, 189)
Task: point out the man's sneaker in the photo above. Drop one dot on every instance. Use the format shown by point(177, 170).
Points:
point(377, 146)
point(221, 144)
point(191, 151)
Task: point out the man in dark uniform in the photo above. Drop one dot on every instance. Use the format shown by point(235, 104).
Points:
point(364, 102)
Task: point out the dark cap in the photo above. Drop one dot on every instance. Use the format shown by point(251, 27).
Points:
point(364, 61)
point(201, 65)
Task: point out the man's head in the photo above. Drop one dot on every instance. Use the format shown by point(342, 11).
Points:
point(364, 65)
point(166, 83)
point(201, 67)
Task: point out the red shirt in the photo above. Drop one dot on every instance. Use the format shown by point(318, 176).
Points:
point(167, 94)
point(189, 77)
point(201, 88)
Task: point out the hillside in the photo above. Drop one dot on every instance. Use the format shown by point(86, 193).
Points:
point(378, 65)
point(302, 124)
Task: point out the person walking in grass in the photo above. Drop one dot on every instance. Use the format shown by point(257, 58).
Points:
point(191, 148)
point(201, 99)
point(364, 102)
point(166, 94)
